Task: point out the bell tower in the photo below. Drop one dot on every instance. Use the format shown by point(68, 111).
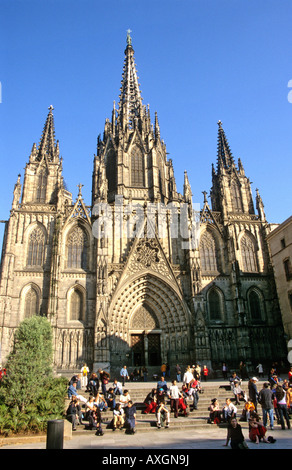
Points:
point(131, 154)
point(231, 189)
point(43, 172)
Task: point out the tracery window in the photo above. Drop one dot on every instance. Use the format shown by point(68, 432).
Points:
point(31, 303)
point(236, 198)
point(208, 253)
point(215, 305)
point(248, 254)
point(36, 246)
point(77, 249)
point(137, 169)
point(41, 186)
point(111, 170)
point(76, 305)
point(255, 305)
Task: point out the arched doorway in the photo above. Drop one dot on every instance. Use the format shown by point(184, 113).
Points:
point(145, 337)
point(148, 323)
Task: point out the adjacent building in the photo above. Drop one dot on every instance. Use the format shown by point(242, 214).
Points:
point(280, 243)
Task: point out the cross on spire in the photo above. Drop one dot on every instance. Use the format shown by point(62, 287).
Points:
point(129, 39)
point(80, 186)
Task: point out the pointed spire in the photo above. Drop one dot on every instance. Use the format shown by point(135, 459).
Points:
point(157, 127)
point(260, 206)
point(224, 154)
point(48, 148)
point(130, 105)
point(187, 189)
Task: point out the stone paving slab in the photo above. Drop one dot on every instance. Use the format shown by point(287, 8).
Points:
point(162, 439)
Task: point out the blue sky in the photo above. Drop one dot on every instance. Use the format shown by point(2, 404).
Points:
point(198, 61)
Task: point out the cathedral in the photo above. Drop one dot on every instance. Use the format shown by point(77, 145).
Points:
point(139, 275)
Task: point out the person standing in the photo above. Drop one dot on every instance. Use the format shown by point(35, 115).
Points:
point(104, 378)
point(253, 391)
point(145, 373)
point(163, 369)
point(282, 406)
point(178, 373)
point(84, 374)
point(205, 372)
point(260, 369)
point(265, 399)
point(124, 375)
point(188, 376)
point(174, 395)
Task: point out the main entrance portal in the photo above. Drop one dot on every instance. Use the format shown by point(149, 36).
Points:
point(146, 349)
point(145, 337)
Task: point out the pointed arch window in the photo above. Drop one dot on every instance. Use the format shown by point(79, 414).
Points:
point(31, 303)
point(137, 169)
point(77, 249)
point(36, 248)
point(236, 197)
point(208, 253)
point(111, 170)
point(248, 255)
point(41, 188)
point(215, 305)
point(255, 305)
point(76, 306)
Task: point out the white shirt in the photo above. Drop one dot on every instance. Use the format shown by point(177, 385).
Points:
point(174, 392)
point(231, 408)
point(124, 399)
point(188, 376)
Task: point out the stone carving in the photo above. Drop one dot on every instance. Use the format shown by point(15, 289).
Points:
point(147, 255)
point(144, 318)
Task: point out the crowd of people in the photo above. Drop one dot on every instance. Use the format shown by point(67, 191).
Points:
point(181, 396)
point(274, 401)
point(117, 399)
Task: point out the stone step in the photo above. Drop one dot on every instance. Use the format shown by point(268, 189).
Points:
point(149, 425)
point(197, 419)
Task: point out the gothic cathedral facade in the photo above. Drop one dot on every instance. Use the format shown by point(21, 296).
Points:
point(121, 287)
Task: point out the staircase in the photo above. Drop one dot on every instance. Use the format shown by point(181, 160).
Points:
point(197, 419)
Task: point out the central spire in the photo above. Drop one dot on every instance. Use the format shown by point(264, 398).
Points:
point(224, 154)
point(130, 104)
